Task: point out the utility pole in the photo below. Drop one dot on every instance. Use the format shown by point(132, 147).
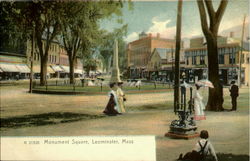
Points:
point(172, 62)
point(32, 58)
point(177, 58)
point(241, 50)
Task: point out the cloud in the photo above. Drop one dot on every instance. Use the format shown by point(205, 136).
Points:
point(131, 37)
point(226, 25)
point(161, 27)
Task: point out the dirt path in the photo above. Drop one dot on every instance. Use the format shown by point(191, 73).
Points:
point(229, 131)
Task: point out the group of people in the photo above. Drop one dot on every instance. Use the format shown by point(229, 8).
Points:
point(116, 101)
point(204, 150)
point(199, 106)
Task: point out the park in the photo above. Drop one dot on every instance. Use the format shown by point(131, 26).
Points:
point(89, 69)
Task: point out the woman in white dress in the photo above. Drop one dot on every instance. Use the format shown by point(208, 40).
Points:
point(199, 107)
point(121, 97)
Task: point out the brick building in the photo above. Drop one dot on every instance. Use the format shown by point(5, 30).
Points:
point(139, 52)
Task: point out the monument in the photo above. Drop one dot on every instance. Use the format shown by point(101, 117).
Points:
point(115, 72)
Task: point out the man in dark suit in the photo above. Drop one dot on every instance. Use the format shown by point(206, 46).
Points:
point(234, 93)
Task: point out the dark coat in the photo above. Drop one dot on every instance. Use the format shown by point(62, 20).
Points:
point(234, 91)
point(110, 108)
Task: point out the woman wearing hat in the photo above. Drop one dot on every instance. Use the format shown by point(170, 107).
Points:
point(199, 107)
point(121, 97)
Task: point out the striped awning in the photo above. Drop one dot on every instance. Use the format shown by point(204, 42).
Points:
point(50, 70)
point(65, 69)
point(56, 68)
point(37, 69)
point(78, 71)
point(23, 68)
point(8, 67)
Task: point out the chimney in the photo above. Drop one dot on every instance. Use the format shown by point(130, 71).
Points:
point(158, 35)
point(231, 34)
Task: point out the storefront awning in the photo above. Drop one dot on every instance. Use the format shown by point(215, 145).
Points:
point(8, 67)
point(37, 69)
point(65, 69)
point(50, 70)
point(57, 68)
point(23, 68)
point(78, 71)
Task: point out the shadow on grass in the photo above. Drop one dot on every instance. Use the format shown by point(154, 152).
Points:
point(226, 157)
point(149, 107)
point(44, 119)
point(232, 157)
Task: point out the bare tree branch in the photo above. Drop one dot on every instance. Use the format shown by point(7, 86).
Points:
point(211, 11)
point(221, 10)
point(203, 17)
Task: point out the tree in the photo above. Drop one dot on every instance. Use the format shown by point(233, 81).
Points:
point(80, 29)
point(106, 47)
point(44, 17)
point(215, 99)
point(14, 38)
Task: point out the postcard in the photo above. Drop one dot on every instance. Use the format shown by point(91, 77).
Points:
point(124, 80)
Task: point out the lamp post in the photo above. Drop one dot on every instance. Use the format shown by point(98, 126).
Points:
point(32, 58)
point(184, 127)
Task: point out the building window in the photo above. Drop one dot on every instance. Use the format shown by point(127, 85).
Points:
point(194, 60)
point(221, 59)
point(232, 58)
point(202, 60)
point(187, 61)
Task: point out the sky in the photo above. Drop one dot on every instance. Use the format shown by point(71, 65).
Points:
point(160, 17)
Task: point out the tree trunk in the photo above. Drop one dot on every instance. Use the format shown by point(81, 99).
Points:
point(215, 99)
point(71, 71)
point(43, 70)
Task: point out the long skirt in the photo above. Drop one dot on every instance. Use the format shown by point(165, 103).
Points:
point(199, 110)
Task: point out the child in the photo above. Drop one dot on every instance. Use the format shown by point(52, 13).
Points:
point(201, 150)
point(205, 146)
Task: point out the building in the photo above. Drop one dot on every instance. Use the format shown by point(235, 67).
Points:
point(161, 64)
point(139, 52)
point(13, 58)
point(15, 63)
point(13, 66)
point(228, 59)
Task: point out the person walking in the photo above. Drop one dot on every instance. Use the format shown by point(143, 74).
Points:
point(112, 106)
point(199, 106)
point(234, 93)
point(121, 97)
